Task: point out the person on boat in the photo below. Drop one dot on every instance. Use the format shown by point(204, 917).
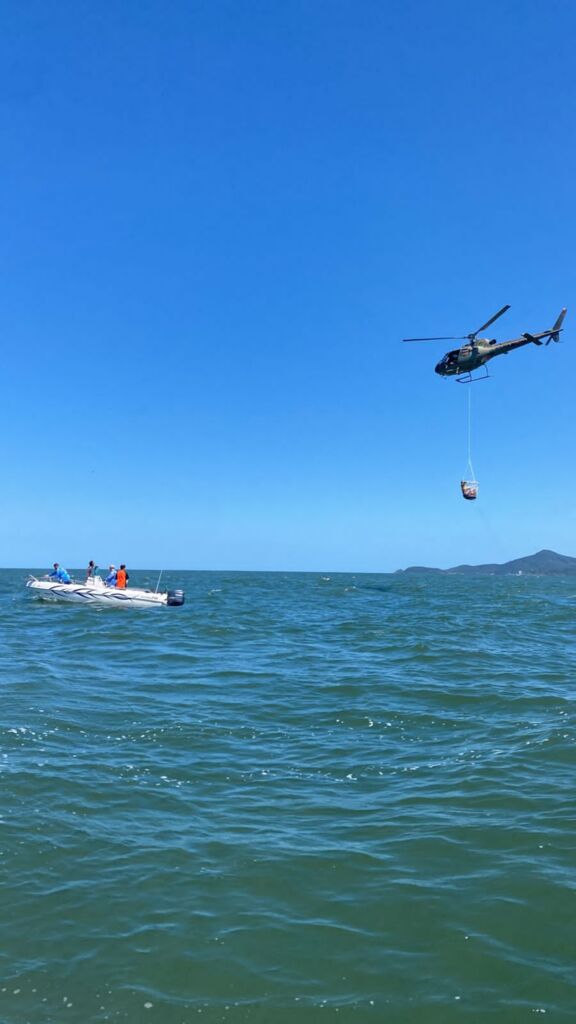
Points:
point(110, 580)
point(122, 577)
point(59, 574)
point(91, 570)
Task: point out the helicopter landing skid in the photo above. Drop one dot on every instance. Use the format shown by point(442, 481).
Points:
point(467, 378)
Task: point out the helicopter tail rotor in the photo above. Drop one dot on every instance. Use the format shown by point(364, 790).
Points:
point(555, 332)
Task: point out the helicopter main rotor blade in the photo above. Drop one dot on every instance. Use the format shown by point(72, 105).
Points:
point(491, 321)
point(443, 337)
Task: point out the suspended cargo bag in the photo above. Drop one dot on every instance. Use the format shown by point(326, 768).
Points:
point(469, 489)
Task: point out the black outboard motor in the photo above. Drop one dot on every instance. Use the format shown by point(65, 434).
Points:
point(175, 597)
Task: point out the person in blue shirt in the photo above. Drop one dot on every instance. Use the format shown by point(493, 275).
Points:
point(60, 574)
point(110, 580)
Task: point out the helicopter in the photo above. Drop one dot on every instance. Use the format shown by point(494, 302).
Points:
point(461, 362)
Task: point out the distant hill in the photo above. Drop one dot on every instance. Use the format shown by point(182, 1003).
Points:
point(543, 563)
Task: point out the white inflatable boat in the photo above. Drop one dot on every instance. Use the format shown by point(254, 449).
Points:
point(94, 591)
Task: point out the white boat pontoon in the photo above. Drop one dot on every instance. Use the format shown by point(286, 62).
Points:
point(93, 591)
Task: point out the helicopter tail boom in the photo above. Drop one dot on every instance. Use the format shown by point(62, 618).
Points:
point(552, 335)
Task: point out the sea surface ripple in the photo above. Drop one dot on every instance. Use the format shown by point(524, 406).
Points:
point(299, 797)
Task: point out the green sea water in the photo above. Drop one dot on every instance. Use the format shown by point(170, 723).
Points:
point(300, 797)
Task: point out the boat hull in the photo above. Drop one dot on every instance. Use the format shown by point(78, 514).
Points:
point(96, 593)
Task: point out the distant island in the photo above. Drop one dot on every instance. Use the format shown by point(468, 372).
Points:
point(543, 563)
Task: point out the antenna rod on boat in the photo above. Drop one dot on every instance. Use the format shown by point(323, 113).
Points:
point(159, 578)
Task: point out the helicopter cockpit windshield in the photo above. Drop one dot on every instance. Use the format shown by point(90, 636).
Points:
point(449, 362)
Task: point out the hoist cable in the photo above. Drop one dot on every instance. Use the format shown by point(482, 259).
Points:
point(470, 466)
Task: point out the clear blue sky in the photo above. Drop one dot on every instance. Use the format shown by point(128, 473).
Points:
point(218, 221)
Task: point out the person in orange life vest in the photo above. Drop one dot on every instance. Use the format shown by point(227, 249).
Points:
point(122, 577)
